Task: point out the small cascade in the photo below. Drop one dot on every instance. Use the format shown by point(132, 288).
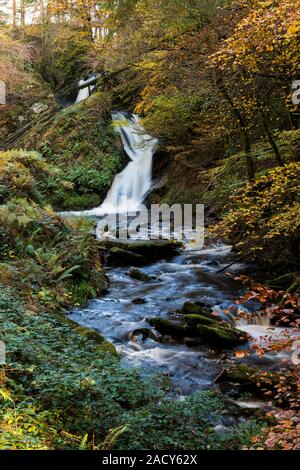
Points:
point(86, 91)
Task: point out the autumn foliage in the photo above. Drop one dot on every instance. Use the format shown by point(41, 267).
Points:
point(264, 219)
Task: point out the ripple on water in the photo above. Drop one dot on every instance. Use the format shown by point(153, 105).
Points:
point(116, 317)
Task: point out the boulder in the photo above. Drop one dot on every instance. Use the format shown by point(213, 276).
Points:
point(144, 332)
point(139, 301)
point(222, 336)
point(200, 308)
point(166, 327)
point(193, 320)
point(150, 250)
point(244, 379)
point(139, 275)
point(119, 257)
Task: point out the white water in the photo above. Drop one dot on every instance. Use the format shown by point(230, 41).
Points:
point(130, 187)
point(85, 92)
point(191, 276)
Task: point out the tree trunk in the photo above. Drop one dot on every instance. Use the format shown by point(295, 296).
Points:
point(22, 18)
point(272, 142)
point(250, 167)
point(22, 13)
point(14, 14)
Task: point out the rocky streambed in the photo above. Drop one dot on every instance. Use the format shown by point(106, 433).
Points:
point(165, 314)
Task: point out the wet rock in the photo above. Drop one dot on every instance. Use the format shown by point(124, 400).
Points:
point(146, 333)
point(192, 342)
point(150, 250)
point(193, 320)
point(139, 301)
point(222, 336)
point(139, 275)
point(119, 257)
point(198, 308)
point(244, 379)
point(166, 327)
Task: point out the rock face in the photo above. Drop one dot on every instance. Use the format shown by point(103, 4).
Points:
point(201, 326)
point(39, 108)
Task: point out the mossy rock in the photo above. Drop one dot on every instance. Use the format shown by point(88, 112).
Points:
point(90, 334)
point(221, 336)
point(193, 320)
point(108, 347)
point(150, 250)
point(166, 327)
point(247, 377)
point(139, 275)
point(203, 310)
point(93, 335)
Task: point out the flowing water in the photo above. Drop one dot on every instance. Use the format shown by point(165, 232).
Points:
point(85, 92)
point(194, 275)
point(129, 187)
point(187, 277)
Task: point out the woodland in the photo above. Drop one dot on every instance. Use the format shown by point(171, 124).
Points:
point(217, 83)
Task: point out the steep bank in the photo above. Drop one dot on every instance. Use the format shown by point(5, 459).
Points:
point(81, 143)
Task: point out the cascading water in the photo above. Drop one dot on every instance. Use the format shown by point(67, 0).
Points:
point(191, 276)
point(133, 183)
point(86, 91)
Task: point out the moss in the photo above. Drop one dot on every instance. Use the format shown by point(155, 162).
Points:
point(139, 275)
point(166, 327)
point(193, 320)
point(244, 373)
point(108, 347)
point(96, 337)
point(89, 334)
point(81, 143)
point(249, 379)
point(221, 337)
point(190, 308)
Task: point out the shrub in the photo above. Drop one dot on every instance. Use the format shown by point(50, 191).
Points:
point(264, 219)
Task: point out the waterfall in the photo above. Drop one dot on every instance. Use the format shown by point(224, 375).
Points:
point(133, 183)
point(86, 91)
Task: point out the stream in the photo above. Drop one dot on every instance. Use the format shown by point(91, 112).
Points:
point(187, 277)
point(193, 275)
